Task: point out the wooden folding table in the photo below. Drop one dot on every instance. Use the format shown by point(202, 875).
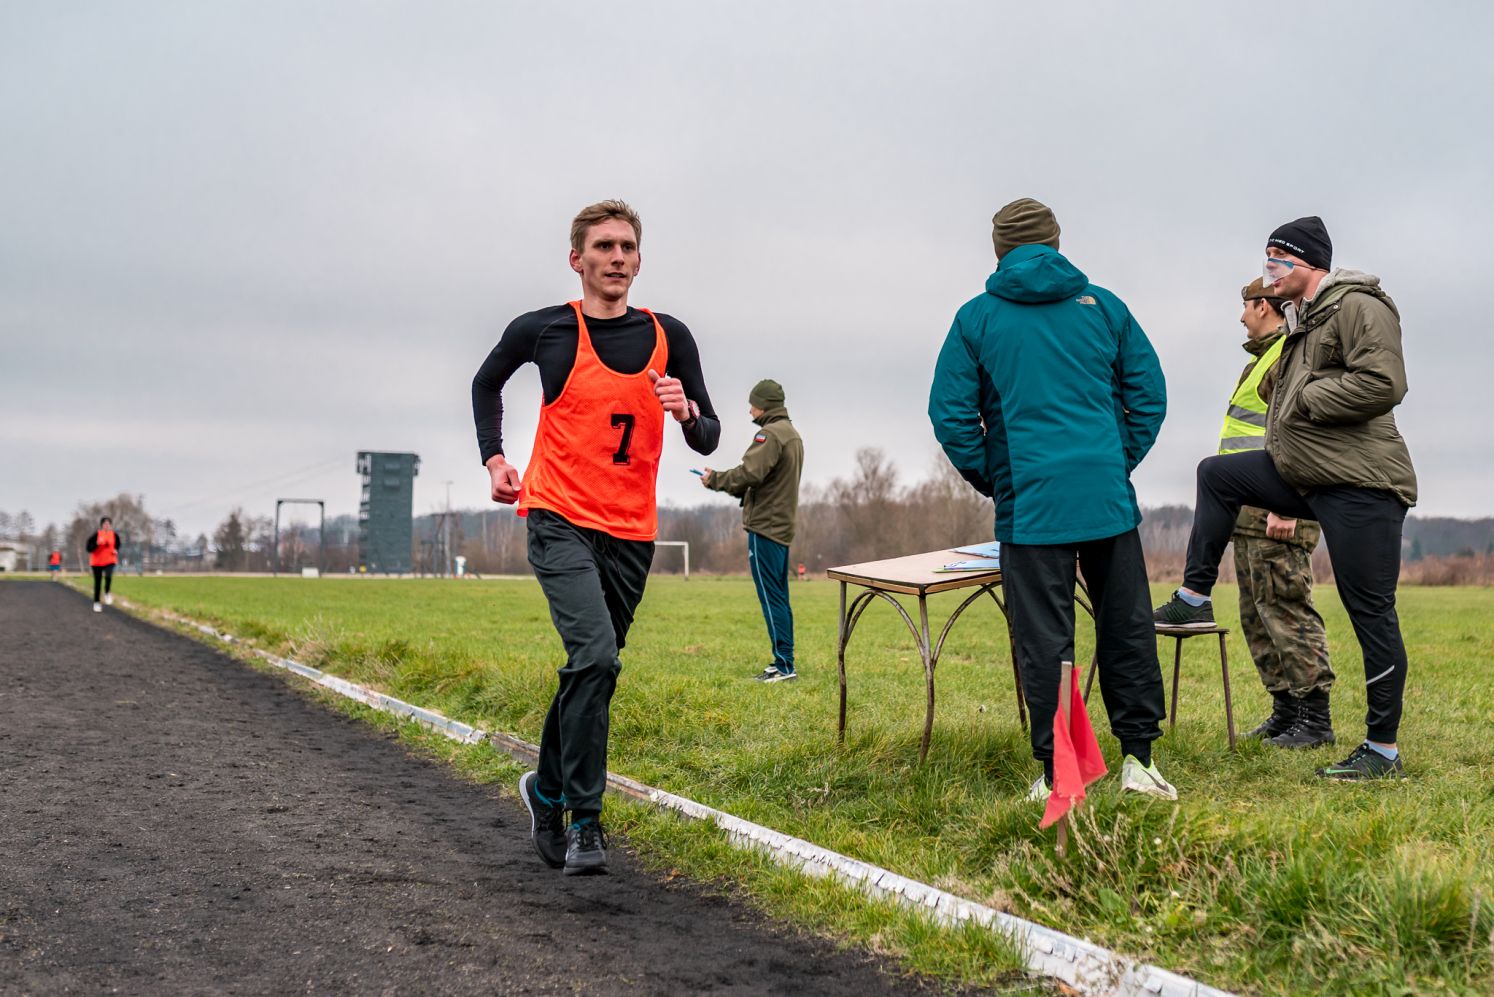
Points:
point(918, 575)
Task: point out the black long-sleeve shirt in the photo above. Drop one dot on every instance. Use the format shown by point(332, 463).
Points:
point(548, 339)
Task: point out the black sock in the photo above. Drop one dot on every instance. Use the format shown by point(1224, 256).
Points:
point(1141, 750)
point(1048, 772)
point(582, 816)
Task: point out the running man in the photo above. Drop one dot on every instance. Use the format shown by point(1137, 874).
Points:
point(609, 375)
point(103, 555)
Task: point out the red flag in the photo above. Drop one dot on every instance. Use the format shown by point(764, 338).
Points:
point(1077, 761)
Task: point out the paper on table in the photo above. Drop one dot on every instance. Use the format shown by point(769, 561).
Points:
point(992, 549)
point(977, 564)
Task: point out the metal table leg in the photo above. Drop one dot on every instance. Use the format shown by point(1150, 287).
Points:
point(840, 654)
point(926, 651)
point(1011, 641)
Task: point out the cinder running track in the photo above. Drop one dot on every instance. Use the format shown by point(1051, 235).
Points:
point(172, 821)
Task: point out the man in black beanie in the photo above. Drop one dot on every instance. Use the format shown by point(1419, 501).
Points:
point(1333, 453)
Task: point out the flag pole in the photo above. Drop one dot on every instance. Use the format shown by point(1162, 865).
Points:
point(1065, 693)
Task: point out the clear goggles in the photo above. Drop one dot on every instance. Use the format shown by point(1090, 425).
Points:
point(1275, 268)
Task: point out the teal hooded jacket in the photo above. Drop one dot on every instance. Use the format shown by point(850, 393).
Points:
point(1046, 396)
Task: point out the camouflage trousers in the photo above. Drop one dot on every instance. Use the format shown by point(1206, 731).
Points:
point(1282, 629)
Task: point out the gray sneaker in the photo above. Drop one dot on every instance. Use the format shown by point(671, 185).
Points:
point(585, 848)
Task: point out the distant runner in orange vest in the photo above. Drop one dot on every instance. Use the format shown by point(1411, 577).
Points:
point(103, 555)
point(610, 374)
point(54, 563)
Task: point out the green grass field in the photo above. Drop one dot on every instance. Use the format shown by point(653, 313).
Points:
point(1261, 879)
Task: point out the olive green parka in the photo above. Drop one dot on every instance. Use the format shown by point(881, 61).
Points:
point(767, 480)
point(1340, 376)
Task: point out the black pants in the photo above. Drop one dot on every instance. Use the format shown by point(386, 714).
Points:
point(1362, 527)
point(1039, 584)
point(593, 583)
point(102, 576)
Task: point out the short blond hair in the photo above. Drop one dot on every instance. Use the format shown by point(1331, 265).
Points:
point(600, 212)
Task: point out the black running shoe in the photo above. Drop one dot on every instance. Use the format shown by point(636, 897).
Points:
point(546, 822)
point(1177, 613)
point(585, 848)
point(1364, 764)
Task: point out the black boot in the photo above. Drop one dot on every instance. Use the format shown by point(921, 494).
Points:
point(1283, 715)
point(1314, 726)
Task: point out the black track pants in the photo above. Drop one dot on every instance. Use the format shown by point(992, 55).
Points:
point(1039, 585)
point(103, 577)
point(593, 583)
point(1362, 528)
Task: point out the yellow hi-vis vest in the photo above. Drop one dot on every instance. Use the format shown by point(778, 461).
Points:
point(1245, 419)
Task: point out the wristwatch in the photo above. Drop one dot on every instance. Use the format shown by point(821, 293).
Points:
point(694, 414)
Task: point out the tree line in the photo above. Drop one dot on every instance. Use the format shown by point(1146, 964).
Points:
point(872, 513)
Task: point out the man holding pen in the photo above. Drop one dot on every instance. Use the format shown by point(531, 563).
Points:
point(767, 483)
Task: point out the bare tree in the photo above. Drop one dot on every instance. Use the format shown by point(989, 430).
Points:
point(127, 512)
point(950, 512)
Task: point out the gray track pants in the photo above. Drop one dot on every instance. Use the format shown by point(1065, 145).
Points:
point(593, 583)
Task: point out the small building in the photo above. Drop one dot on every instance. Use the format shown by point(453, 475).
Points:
point(14, 557)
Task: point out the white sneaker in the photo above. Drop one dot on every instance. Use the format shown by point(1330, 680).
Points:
point(108, 598)
point(1138, 778)
point(98, 608)
point(1039, 792)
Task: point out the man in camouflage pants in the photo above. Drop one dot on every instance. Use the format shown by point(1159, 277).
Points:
point(1273, 559)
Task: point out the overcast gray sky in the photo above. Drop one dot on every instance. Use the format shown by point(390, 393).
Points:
point(241, 241)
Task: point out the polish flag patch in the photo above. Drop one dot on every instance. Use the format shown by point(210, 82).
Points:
point(760, 438)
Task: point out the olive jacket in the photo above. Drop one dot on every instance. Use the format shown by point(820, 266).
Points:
point(767, 480)
point(1340, 376)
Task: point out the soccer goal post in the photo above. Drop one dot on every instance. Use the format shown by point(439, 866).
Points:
point(684, 546)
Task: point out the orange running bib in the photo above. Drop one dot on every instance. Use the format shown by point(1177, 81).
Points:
point(596, 451)
point(105, 551)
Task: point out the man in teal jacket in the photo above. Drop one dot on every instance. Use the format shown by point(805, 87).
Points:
point(1046, 396)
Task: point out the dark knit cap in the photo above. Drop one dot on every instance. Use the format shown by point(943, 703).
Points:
point(1307, 239)
point(1024, 222)
point(766, 394)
